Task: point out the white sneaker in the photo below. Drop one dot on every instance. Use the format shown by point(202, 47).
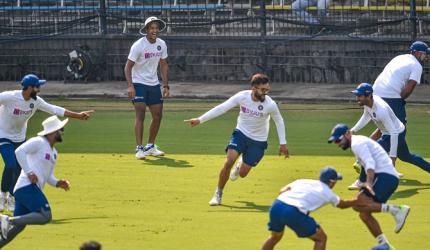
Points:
point(10, 203)
point(356, 185)
point(216, 200)
point(400, 217)
point(5, 225)
point(154, 151)
point(140, 154)
point(3, 197)
point(384, 246)
point(235, 172)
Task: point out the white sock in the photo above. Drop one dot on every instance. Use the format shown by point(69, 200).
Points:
point(149, 145)
point(381, 239)
point(385, 208)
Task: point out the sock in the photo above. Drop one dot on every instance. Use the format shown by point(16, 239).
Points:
point(382, 239)
point(149, 145)
point(384, 208)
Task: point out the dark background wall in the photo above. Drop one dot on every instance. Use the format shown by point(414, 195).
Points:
point(210, 59)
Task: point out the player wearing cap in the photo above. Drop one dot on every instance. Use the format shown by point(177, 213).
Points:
point(16, 108)
point(399, 78)
point(379, 179)
point(37, 158)
point(297, 200)
point(393, 131)
point(143, 84)
point(249, 138)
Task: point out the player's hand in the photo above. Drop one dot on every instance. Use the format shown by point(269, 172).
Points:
point(166, 92)
point(131, 91)
point(32, 177)
point(193, 122)
point(85, 115)
point(64, 184)
point(283, 150)
point(369, 188)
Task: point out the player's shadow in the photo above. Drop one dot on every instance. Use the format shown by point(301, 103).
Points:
point(248, 207)
point(410, 191)
point(69, 220)
point(168, 162)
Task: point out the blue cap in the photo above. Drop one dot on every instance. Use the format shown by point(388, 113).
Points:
point(420, 46)
point(328, 174)
point(337, 132)
point(31, 80)
point(363, 89)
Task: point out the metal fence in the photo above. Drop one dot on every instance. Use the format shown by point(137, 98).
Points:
point(355, 19)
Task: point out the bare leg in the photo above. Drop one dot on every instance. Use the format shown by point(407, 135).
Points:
point(140, 108)
point(157, 113)
point(244, 170)
point(273, 239)
point(371, 223)
point(320, 239)
point(366, 207)
point(232, 156)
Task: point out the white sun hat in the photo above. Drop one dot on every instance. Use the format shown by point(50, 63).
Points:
point(52, 124)
point(161, 24)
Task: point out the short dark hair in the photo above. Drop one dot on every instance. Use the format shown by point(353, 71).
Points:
point(258, 79)
point(91, 245)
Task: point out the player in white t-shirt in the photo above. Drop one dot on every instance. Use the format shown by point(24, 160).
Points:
point(143, 85)
point(393, 138)
point(379, 180)
point(399, 78)
point(249, 138)
point(297, 200)
point(37, 158)
point(16, 108)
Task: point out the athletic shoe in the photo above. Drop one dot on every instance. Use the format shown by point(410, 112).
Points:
point(235, 172)
point(153, 150)
point(3, 197)
point(5, 225)
point(140, 154)
point(356, 185)
point(10, 203)
point(216, 200)
point(357, 167)
point(384, 246)
point(400, 217)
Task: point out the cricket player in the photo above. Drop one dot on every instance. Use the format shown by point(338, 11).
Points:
point(16, 108)
point(249, 138)
point(37, 157)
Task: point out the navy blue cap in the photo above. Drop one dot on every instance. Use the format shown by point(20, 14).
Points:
point(32, 80)
point(363, 89)
point(337, 132)
point(420, 46)
point(329, 174)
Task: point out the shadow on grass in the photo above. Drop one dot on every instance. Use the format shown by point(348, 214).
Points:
point(69, 220)
point(168, 162)
point(248, 207)
point(411, 191)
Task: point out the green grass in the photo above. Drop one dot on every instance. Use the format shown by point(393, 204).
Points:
point(161, 203)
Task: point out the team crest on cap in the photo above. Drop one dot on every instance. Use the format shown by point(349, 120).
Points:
point(158, 47)
point(260, 107)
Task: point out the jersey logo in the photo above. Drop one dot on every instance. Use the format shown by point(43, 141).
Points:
point(374, 114)
point(17, 111)
point(158, 47)
point(47, 156)
point(31, 105)
point(260, 107)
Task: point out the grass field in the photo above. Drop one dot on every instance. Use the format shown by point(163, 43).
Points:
point(161, 203)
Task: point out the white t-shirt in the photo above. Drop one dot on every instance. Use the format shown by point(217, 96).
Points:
point(385, 119)
point(15, 113)
point(371, 155)
point(254, 116)
point(37, 156)
point(146, 57)
point(309, 195)
point(396, 74)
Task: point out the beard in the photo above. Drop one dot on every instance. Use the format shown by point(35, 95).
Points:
point(259, 97)
point(58, 138)
point(346, 145)
point(33, 95)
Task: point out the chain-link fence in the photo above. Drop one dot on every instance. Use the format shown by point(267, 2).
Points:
point(294, 19)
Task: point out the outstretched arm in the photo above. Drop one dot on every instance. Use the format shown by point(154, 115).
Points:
point(84, 115)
